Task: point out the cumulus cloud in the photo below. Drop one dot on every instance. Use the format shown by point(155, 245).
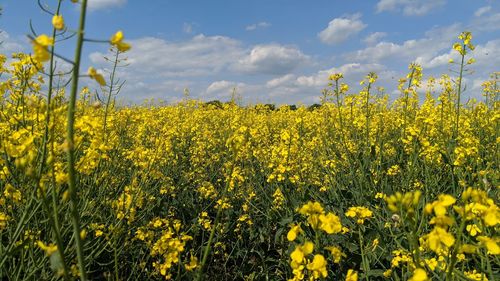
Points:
point(103, 4)
point(201, 55)
point(487, 21)
point(223, 89)
point(255, 26)
point(410, 7)
point(271, 59)
point(350, 71)
point(487, 56)
point(425, 48)
point(10, 45)
point(340, 29)
point(159, 68)
point(280, 81)
point(374, 37)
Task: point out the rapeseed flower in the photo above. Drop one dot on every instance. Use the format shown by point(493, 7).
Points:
point(439, 240)
point(352, 275)
point(117, 41)
point(359, 212)
point(58, 22)
point(48, 249)
point(40, 45)
point(490, 244)
point(294, 231)
point(318, 267)
point(419, 274)
point(330, 223)
point(96, 76)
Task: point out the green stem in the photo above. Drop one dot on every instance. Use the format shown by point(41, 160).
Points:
point(71, 146)
point(363, 258)
point(453, 261)
point(199, 275)
point(54, 220)
point(111, 84)
point(459, 92)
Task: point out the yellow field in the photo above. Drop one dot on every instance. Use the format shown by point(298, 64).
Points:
point(357, 188)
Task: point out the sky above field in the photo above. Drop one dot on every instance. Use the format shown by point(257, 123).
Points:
point(271, 51)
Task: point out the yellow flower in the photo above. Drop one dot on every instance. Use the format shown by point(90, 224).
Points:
point(40, 44)
point(393, 170)
point(439, 240)
point(473, 229)
point(491, 216)
point(476, 276)
point(312, 210)
point(117, 40)
point(439, 206)
point(58, 22)
point(359, 212)
point(458, 47)
point(294, 231)
point(375, 243)
point(330, 223)
point(318, 266)
point(468, 249)
point(351, 275)
point(193, 263)
point(419, 275)
point(336, 76)
point(300, 252)
point(490, 244)
point(431, 263)
point(3, 220)
point(336, 253)
point(96, 76)
point(49, 249)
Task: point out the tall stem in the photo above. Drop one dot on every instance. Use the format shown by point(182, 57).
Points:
point(459, 92)
point(55, 220)
point(111, 85)
point(71, 146)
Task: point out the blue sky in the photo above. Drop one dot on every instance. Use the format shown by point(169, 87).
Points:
point(279, 51)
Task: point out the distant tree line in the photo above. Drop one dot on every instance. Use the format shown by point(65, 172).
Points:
point(268, 106)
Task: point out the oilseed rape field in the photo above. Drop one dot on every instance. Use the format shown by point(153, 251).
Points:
point(360, 187)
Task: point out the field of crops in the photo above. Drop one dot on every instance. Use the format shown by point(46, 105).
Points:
point(357, 188)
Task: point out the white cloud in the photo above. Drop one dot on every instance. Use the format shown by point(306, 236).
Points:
point(201, 55)
point(223, 89)
point(254, 26)
point(222, 85)
point(350, 71)
point(340, 29)
point(481, 11)
point(374, 37)
point(280, 81)
point(103, 4)
point(488, 21)
point(487, 56)
point(271, 59)
point(410, 7)
point(421, 49)
point(10, 45)
point(307, 88)
point(206, 65)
